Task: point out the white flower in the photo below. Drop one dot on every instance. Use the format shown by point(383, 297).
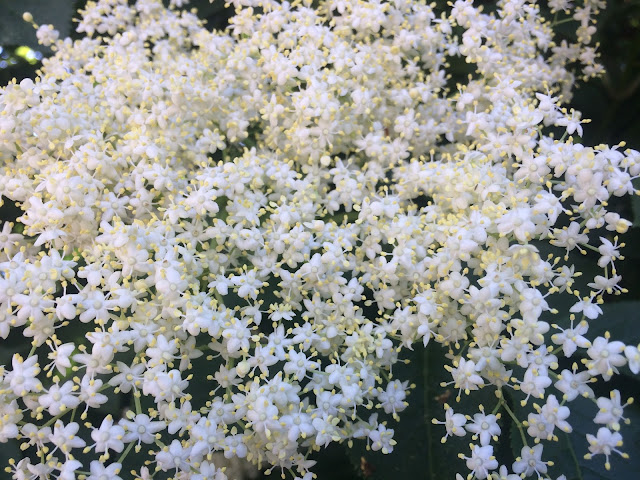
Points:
point(572, 338)
point(605, 442)
point(485, 427)
point(234, 446)
point(59, 398)
point(140, 429)
point(539, 427)
point(128, 377)
point(587, 307)
point(573, 384)
point(164, 386)
point(503, 474)
point(326, 431)
point(556, 414)
point(68, 470)
point(162, 350)
point(571, 122)
point(535, 382)
point(64, 437)
point(298, 364)
point(519, 221)
point(221, 284)
point(481, 461)
point(608, 251)
point(59, 356)
point(47, 35)
point(100, 471)
point(11, 416)
point(569, 237)
point(532, 304)
point(108, 436)
point(298, 425)
point(603, 284)
point(90, 392)
point(611, 410)
point(392, 399)
point(295, 201)
point(465, 376)
point(605, 356)
point(530, 461)
point(633, 357)
point(8, 239)
point(23, 376)
point(382, 439)
point(248, 284)
point(453, 422)
point(173, 457)
point(263, 416)
point(237, 335)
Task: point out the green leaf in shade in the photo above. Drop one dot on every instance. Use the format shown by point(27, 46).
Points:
point(635, 206)
point(15, 31)
point(215, 13)
point(333, 463)
point(208, 9)
point(561, 453)
point(10, 450)
point(568, 452)
point(512, 398)
point(582, 413)
point(411, 455)
point(621, 320)
point(419, 453)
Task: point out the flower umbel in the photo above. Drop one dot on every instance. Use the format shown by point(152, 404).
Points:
point(278, 213)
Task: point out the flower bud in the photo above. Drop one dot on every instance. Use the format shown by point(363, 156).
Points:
point(242, 368)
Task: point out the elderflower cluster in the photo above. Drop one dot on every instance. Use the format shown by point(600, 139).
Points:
point(273, 214)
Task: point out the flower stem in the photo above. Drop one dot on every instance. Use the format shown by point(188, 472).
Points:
point(515, 421)
point(126, 452)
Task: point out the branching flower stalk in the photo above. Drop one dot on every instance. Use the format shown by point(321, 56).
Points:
point(277, 212)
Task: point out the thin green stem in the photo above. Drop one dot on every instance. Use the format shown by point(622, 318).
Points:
point(564, 20)
point(573, 456)
point(136, 400)
point(56, 418)
point(590, 247)
point(556, 351)
point(126, 452)
point(515, 421)
point(564, 135)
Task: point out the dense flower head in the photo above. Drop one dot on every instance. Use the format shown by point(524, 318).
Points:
point(296, 201)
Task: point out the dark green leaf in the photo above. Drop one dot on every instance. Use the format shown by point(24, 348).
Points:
point(621, 319)
point(15, 31)
point(582, 413)
point(635, 205)
point(8, 451)
point(207, 9)
point(419, 452)
point(567, 454)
